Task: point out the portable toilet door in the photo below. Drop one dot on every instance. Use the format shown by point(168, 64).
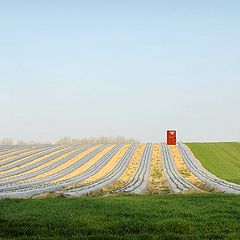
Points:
point(171, 137)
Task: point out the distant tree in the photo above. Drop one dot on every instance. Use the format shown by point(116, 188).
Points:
point(7, 141)
point(20, 142)
point(65, 141)
point(96, 140)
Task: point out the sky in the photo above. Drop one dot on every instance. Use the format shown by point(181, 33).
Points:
point(129, 68)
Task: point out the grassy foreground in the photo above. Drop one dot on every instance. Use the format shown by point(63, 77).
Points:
point(197, 216)
point(222, 159)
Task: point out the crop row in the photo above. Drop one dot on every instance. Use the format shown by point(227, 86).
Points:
point(79, 170)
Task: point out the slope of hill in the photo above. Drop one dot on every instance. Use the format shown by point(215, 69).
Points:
point(222, 159)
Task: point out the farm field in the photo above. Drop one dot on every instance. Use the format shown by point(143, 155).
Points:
point(118, 168)
point(119, 120)
point(222, 159)
point(195, 216)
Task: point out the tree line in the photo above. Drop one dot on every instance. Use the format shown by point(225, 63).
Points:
point(74, 141)
point(97, 140)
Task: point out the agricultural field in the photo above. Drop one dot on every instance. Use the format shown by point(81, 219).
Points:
point(195, 216)
point(128, 191)
point(222, 159)
point(103, 169)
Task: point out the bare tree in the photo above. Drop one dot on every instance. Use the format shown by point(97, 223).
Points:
point(65, 141)
point(20, 142)
point(97, 140)
point(7, 141)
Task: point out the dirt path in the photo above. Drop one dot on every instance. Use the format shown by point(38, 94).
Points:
point(182, 168)
point(108, 167)
point(130, 171)
point(157, 181)
point(86, 165)
point(66, 164)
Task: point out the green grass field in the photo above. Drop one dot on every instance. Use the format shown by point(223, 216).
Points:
point(197, 216)
point(222, 159)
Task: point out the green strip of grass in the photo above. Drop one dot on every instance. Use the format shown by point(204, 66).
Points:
point(197, 216)
point(222, 159)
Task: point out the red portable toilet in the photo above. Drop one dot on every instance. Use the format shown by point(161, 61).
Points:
point(171, 137)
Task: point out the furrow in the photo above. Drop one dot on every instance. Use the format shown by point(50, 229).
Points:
point(49, 163)
point(109, 178)
point(16, 152)
point(20, 160)
point(174, 178)
point(138, 183)
point(34, 188)
point(211, 180)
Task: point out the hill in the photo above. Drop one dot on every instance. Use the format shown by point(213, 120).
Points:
point(222, 159)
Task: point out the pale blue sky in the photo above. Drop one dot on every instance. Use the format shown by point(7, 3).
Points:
point(132, 68)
